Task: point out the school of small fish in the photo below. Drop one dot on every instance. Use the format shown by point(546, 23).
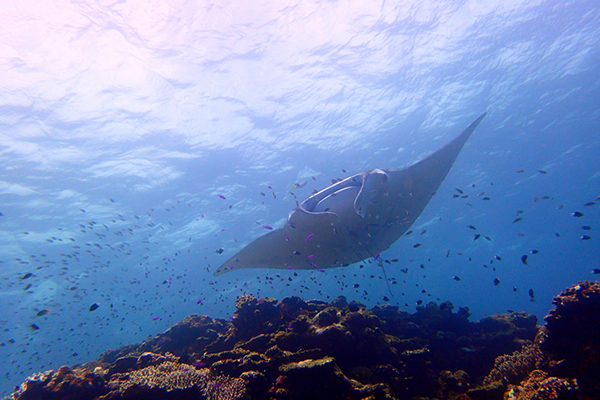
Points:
point(98, 244)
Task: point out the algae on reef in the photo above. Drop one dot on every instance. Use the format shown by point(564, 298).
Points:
point(296, 349)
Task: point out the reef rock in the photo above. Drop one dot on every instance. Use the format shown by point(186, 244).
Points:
point(296, 349)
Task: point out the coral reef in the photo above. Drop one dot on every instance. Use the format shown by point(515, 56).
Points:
point(296, 349)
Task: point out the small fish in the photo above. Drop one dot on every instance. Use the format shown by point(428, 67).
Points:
point(343, 170)
point(267, 227)
point(486, 198)
point(524, 259)
point(520, 171)
point(591, 203)
point(497, 257)
point(408, 233)
point(534, 251)
point(26, 276)
point(531, 295)
point(34, 327)
point(356, 285)
point(596, 271)
point(459, 191)
point(471, 227)
point(496, 282)
point(299, 185)
point(417, 245)
point(456, 278)
point(586, 228)
point(577, 214)
point(385, 298)
point(94, 307)
point(541, 171)
point(262, 194)
point(309, 236)
point(477, 236)
point(221, 196)
point(155, 318)
point(517, 220)
point(220, 251)
point(199, 301)
point(28, 287)
point(585, 237)
point(43, 312)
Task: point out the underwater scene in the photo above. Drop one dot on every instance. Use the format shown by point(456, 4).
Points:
point(300, 199)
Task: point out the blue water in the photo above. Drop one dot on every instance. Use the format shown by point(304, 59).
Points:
point(121, 122)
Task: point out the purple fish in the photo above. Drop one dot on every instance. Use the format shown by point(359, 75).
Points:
point(287, 238)
point(311, 256)
point(154, 319)
point(310, 236)
point(221, 196)
point(267, 227)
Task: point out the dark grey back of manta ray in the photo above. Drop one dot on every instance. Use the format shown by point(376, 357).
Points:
point(353, 219)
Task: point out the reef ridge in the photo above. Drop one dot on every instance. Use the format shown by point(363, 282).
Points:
point(297, 349)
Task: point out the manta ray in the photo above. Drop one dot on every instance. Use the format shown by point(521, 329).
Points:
point(353, 219)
